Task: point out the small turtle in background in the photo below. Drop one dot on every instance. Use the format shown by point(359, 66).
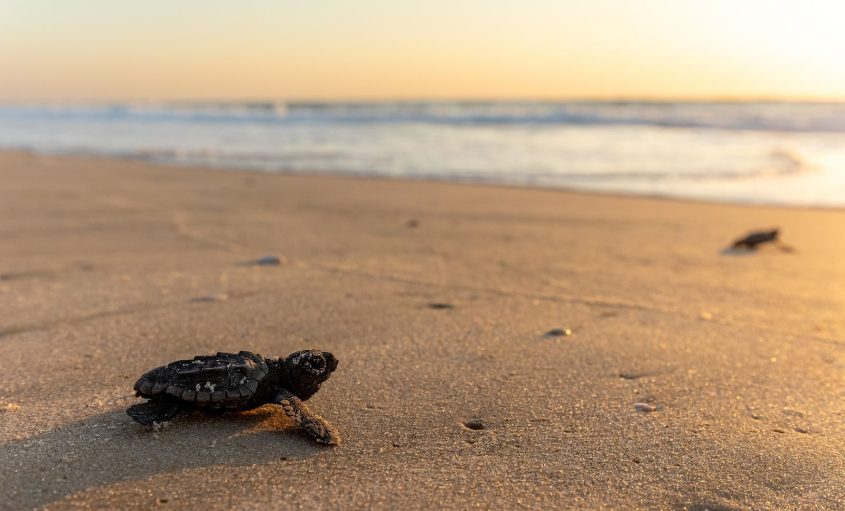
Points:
point(238, 382)
point(756, 238)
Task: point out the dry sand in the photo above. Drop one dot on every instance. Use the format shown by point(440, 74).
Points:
point(691, 380)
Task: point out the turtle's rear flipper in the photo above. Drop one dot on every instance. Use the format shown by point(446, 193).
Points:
point(154, 410)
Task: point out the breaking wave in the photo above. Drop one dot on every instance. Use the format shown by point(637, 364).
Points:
point(761, 116)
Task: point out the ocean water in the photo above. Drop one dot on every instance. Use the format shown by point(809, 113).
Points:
point(767, 152)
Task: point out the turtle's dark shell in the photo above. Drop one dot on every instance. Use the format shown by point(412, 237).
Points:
point(225, 380)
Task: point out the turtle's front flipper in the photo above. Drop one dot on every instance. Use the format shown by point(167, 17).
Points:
point(313, 424)
point(154, 410)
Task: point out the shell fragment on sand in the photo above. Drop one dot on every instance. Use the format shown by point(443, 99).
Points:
point(645, 407)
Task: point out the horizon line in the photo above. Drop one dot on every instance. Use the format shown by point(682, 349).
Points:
point(438, 99)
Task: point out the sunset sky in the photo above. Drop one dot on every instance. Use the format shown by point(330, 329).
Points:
point(391, 49)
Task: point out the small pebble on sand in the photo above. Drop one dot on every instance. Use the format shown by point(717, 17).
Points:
point(10, 407)
point(558, 332)
point(630, 376)
point(440, 306)
point(216, 297)
point(474, 424)
point(268, 260)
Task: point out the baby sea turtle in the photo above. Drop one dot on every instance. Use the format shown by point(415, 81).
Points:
point(236, 382)
point(756, 238)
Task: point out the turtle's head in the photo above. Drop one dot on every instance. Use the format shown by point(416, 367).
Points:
point(307, 369)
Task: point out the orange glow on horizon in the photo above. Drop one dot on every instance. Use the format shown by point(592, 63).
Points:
point(376, 50)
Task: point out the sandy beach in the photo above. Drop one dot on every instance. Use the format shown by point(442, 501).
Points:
point(692, 379)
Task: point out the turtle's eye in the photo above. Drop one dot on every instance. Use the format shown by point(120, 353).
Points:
point(318, 363)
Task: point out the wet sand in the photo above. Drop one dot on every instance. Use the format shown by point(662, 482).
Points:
point(498, 347)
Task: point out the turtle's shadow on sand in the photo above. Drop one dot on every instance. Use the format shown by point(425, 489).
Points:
point(736, 252)
point(109, 448)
